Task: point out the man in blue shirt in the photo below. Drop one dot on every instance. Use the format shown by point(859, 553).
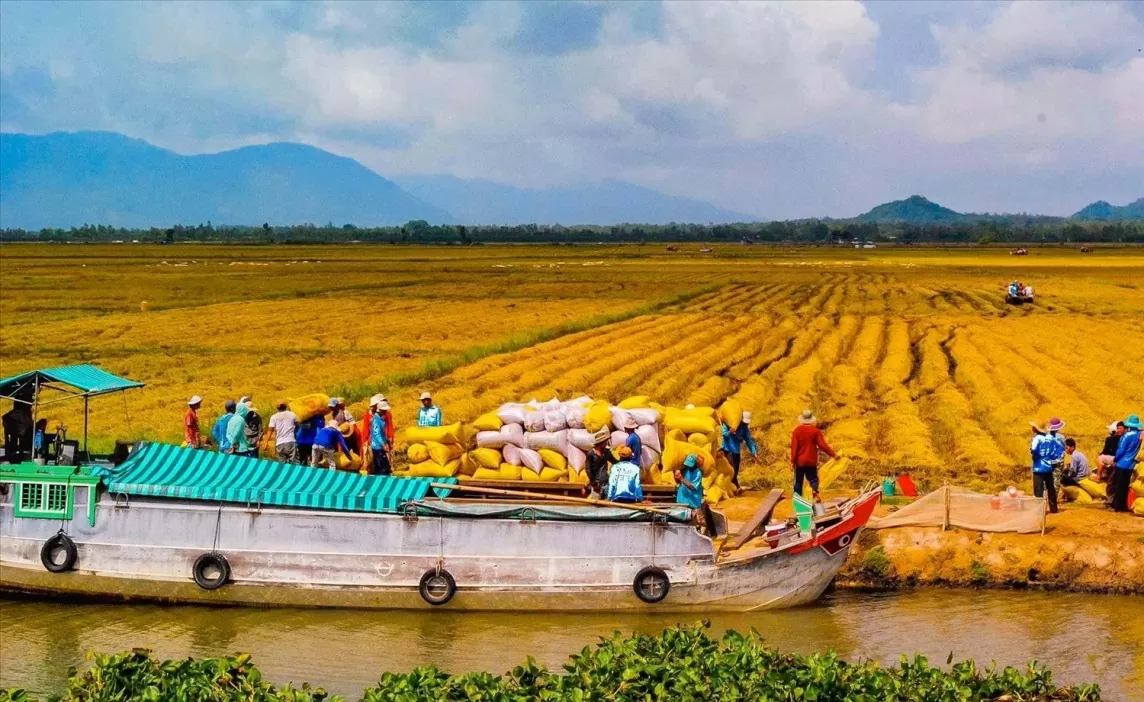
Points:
point(326, 446)
point(690, 483)
point(1124, 462)
point(633, 441)
point(733, 441)
point(1048, 452)
point(430, 414)
point(624, 479)
point(378, 442)
point(218, 431)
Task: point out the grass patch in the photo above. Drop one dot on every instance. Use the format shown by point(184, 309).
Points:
point(876, 564)
point(978, 573)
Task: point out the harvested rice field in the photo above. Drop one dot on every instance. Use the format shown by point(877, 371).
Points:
point(911, 358)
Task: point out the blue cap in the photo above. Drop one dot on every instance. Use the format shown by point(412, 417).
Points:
point(333, 402)
point(691, 461)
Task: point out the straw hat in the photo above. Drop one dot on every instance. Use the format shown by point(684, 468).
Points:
point(346, 429)
point(426, 396)
point(383, 406)
point(601, 437)
point(1056, 424)
point(375, 400)
point(807, 417)
point(195, 400)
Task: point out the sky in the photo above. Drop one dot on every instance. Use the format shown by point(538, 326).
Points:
point(781, 110)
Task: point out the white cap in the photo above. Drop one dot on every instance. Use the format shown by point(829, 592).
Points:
point(376, 400)
point(383, 405)
point(426, 396)
point(244, 399)
point(195, 399)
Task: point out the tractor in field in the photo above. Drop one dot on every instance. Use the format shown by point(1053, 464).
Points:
point(1019, 294)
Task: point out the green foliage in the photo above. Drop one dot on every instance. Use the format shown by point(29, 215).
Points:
point(681, 663)
point(14, 694)
point(978, 573)
point(135, 675)
point(876, 563)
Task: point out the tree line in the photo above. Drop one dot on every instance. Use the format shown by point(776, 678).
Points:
point(814, 231)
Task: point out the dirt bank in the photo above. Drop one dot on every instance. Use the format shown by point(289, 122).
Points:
point(1084, 549)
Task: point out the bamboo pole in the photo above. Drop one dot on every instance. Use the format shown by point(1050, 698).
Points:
point(551, 498)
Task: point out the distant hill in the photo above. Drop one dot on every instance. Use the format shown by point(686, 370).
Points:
point(1101, 210)
point(914, 209)
point(609, 202)
point(69, 179)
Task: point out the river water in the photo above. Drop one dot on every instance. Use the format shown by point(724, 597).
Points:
point(1081, 637)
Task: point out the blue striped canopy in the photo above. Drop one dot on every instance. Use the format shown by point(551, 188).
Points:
point(88, 379)
point(164, 470)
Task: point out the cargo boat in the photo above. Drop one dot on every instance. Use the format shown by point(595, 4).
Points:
point(163, 523)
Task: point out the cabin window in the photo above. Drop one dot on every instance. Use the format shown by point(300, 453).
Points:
point(44, 500)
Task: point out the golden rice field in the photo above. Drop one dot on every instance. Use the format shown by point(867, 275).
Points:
point(910, 357)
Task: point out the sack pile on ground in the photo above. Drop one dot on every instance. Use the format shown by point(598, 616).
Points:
point(435, 452)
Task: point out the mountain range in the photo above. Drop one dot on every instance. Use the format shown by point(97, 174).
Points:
point(70, 179)
point(63, 180)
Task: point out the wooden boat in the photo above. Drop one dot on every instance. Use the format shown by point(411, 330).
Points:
point(181, 525)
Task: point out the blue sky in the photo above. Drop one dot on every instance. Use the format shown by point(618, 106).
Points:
point(778, 109)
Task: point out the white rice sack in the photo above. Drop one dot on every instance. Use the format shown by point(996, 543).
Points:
point(620, 417)
point(554, 420)
point(491, 439)
point(644, 415)
point(648, 457)
point(511, 413)
point(619, 439)
point(534, 421)
point(555, 440)
point(577, 459)
point(582, 401)
point(575, 417)
point(649, 437)
point(513, 434)
point(531, 459)
point(513, 456)
point(581, 439)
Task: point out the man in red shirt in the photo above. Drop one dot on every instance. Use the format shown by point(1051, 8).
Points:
point(191, 423)
point(805, 442)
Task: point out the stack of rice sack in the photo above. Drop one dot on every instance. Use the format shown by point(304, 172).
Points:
point(697, 430)
point(538, 441)
point(436, 452)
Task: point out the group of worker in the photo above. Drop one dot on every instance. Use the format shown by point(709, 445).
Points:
point(315, 441)
point(1057, 463)
point(615, 474)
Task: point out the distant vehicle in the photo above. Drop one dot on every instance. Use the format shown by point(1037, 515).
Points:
point(1019, 252)
point(1019, 294)
point(673, 248)
point(706, 249)
point(1086, 249)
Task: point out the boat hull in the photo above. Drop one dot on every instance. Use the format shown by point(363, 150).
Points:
point(300, 558)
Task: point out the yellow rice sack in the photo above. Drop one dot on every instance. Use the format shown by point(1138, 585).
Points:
point(488, 422)
point(468, 465)
point(546, 474)
point(676, 452)
point(1138, 486)
point(1138, 507)
point(530, 475)
point(635, 402)
point(713, 496)
point(731, 414)
point(724, 467)
point(431, 469)
point(598, 416)
point(578, 477)
point(724, 483)
point(443, 453)
point(417, 453)
point(487, 474)
point(709, 481)
point(309, 406)
point(552, 459)
point(350, 462)
point(688, 421)
point(1075, 494)
point(700, 440)
point(487, 458)
point(1093, 488)
point(827, 473)
point(448, 434)
point(509, 472)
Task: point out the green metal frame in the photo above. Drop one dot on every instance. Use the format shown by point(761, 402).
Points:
point(24, 474)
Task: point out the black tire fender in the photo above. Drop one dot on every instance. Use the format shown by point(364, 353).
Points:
point(437, 586)
point(651, 584)
point(211, 571)
point(52, 547)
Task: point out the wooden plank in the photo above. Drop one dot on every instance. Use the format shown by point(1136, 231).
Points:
point(465, 487)
point(759, 518)
point(655, 493)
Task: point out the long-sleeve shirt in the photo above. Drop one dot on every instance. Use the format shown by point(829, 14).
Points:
point(1128, 450)
point(378, 439)
point(733, 440)
point(624, 483)
point(429, 416)
point(330, 438)
point(636, 445)
point(236, 431)
point(218, 431)
point(308, 430)
point(1078, 468)
point(1047, 450)
point(805, 442)
point(690, 496)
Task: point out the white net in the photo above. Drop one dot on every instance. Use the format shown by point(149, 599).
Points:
point(965, 509)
